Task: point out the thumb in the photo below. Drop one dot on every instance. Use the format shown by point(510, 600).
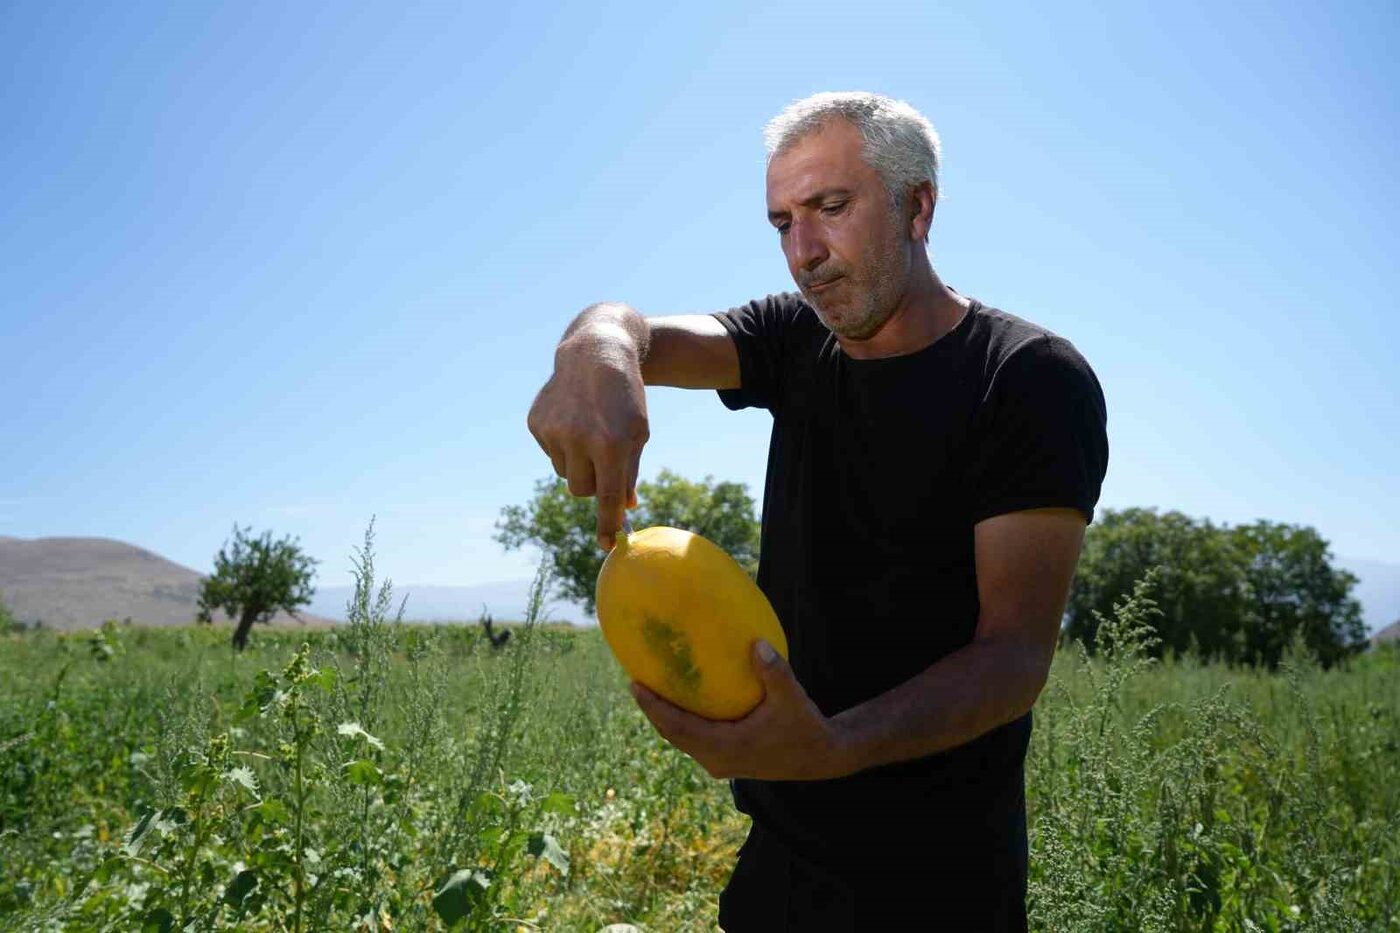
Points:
point(771, 667)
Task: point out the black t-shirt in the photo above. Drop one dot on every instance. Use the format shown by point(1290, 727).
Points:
point(877, 472)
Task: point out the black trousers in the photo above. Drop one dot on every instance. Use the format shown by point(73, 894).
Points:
point(773, 890)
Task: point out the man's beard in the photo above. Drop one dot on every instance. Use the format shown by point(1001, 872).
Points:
point(858, 313)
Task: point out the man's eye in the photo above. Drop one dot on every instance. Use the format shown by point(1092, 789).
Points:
point(829, 210)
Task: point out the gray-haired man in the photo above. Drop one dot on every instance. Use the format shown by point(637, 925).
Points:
point(932, 467)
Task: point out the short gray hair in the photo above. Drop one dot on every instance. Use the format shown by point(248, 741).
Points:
point(900, 143)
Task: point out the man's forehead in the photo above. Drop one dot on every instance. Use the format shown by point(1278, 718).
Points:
point(826, 159)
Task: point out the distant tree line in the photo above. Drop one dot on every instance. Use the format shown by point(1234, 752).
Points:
point(1238, 595)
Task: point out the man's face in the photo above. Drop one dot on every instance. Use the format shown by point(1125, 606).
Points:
point(834, 220)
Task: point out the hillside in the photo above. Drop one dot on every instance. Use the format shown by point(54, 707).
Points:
point(75, 583)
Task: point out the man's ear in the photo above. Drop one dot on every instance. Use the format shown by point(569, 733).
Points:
point(922, 199)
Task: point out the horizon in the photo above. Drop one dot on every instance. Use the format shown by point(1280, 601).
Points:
point(293, 271)
point(1377, 590)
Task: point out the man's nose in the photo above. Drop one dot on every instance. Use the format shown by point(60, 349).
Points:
point(807, 246)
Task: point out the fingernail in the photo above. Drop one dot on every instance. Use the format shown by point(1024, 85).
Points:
point(766, 653)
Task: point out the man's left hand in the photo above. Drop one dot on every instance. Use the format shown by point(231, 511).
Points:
point(784, 738)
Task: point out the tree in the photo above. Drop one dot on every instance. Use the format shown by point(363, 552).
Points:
point(254, 579)
point(564, 526)
point(1295, 592)
point(1199, 592)
point(1239, 595)
point(722, 512)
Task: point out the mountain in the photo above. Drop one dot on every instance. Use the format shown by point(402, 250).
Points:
point(505, 600)
point(76, 583)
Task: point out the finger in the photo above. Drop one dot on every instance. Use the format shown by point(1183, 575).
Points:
point(561, 468)
point(579, 473)
point(670, 720)
point(645, 694)
point(632, 470)
point(652, 708)
point(535, 429)
point(612, 500)
point(556, 458)
point(772, 670)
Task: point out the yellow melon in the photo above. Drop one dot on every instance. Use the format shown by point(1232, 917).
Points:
point(681, 617)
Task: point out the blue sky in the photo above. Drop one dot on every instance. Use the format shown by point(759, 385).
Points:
point(295, 265)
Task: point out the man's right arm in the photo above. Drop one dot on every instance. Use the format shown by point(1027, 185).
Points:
point(690, 351)
point(590, 418)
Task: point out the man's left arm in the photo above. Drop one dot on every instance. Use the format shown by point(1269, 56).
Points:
point(1043, 442)
point(1025, 562)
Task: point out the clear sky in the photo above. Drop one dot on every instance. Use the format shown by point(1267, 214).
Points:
point(297, 264)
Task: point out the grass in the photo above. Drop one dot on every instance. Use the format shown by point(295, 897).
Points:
point(384, 775)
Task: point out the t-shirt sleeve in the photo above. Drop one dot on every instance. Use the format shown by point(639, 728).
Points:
point(762, 330)
point(1042, 441)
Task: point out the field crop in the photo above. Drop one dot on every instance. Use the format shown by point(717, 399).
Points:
point(389, 776)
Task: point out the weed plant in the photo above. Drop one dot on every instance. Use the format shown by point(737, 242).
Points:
point(382, 776)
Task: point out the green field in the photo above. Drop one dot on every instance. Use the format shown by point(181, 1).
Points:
point(404, 777)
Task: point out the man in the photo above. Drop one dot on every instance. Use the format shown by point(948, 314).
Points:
point(932, 466)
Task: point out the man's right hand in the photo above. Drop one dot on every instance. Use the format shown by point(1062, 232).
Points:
point(591, 420)
point(591, 416)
